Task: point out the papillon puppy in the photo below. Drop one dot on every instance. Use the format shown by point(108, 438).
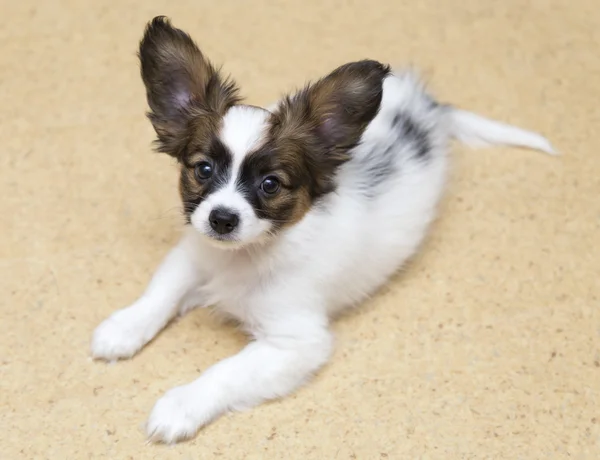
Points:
point(294, 213)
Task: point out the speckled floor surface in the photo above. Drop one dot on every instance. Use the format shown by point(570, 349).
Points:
point(486, 346)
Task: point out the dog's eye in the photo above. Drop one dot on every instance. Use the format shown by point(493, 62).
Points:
point(270, 185)
point(203, 170)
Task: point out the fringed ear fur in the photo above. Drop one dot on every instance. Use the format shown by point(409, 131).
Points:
point(181, 84)
point(327, 118)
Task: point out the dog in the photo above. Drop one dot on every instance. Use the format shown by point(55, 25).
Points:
point(293, 213)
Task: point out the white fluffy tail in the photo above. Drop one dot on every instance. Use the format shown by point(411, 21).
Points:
point(475, 130)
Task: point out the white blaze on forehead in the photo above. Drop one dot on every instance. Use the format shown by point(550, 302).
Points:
point(243, 130)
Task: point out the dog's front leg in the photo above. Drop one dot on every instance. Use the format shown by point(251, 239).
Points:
point(126, 331)
point(274, 365)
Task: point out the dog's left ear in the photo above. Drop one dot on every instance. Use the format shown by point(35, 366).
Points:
point(327, 118)
point(337, 108)
point(181, 84)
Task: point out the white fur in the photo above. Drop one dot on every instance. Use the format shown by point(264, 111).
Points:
point(477, 131)
point(285, 292)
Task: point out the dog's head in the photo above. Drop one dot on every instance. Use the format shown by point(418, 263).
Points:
point(247, 173)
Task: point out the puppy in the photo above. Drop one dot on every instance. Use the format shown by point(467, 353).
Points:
point(293, 214)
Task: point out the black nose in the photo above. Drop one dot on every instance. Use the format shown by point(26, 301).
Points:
point(223, 220)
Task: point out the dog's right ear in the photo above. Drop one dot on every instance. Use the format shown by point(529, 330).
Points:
point(181, 84)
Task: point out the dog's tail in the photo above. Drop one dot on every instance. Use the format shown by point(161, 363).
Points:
point(475, 130)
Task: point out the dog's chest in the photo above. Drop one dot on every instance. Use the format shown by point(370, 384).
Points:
point(235, 284)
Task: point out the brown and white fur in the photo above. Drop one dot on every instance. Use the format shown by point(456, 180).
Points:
point(294, 214)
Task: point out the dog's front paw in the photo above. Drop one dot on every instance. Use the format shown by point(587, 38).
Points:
point(179, 414)
point(119, 336)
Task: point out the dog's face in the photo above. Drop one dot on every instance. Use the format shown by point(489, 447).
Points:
point(247, 173)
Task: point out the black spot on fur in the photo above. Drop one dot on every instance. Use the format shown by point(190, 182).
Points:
point(383, 167)
point(411, 132)
point(383, 161)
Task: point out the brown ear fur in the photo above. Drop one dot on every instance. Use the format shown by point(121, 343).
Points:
point(181, 84)
point(326, 119)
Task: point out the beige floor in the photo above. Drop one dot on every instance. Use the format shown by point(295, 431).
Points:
point(487, 346)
